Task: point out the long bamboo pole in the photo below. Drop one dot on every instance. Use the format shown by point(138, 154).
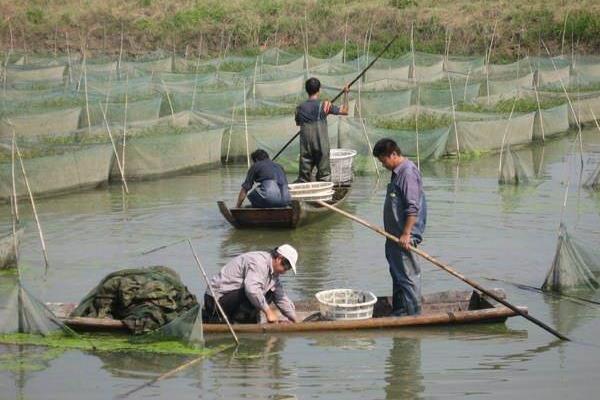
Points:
point(213, 294)
point(505, 136)
point(33, 207)
point(85, 88)
point(69, 63)
point(364, 128)
point(124, 142)
point(446, 268)
point(417, 125)
point(164, 85)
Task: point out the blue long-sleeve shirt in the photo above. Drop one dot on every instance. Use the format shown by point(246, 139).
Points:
point(405, 196)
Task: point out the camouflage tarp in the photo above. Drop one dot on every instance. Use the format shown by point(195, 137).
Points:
point(143, 298)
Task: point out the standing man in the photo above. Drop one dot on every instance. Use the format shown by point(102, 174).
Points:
point(311, 117)
point(404, 216)
point(272, 190)
point(247, 284)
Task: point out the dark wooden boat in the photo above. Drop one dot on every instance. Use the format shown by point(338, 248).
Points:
point(443, 308)
point(8, 251)
point(299, 213)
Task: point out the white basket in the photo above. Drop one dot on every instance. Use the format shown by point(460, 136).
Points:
point(341, 165)
point(346, 304)
point(324, 195)
point(309, 187)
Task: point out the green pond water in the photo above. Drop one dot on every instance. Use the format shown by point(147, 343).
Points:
point(482, 229)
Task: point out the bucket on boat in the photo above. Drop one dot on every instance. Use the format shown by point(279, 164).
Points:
point(311, 191)
point(346, 304)
point(341, 164)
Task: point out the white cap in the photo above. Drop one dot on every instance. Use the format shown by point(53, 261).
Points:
point(289, 253)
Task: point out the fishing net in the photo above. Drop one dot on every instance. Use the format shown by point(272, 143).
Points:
point(513, 169)
point(186, 328)
point(21, 312)
point(143, 110)
point(482, 136)
point(575, 265)
point(145, 299)
point(551, 121)
point(50, 123)
point(382, 103)
point(55, 169)
point(593, 181)
point(167, 151)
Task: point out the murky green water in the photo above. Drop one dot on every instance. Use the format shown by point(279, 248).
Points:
point(482, 229)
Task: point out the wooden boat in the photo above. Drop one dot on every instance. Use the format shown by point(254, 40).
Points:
point(299, 213)
point(443, 308)
point(8, 250)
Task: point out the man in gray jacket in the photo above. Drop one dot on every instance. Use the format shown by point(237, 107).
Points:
point(247, 284)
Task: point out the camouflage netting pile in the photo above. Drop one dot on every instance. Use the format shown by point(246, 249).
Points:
point(145, 299)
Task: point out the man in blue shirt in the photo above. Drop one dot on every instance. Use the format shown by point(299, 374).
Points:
point(404, 216)
point(272, 190)
point(311, 117)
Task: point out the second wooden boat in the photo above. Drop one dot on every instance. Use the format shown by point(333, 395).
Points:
point(299, 213)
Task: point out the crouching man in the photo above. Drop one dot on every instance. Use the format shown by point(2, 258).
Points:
point(246, 286)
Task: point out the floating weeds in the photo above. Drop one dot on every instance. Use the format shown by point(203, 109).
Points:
point(101, 342)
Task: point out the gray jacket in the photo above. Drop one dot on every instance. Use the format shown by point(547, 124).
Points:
point(254, 272)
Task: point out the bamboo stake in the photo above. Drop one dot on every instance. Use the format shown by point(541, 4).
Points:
point(119, 165)
point(69, 63)
point(168, 99)
point(417, 125)
point(344, 56)
point(212, 292)
point(33, 207)
point(562, 42)
point(246, 127)
point(537, 99)
point(454, 117)
point(569, 101)
point(120, 60)
point(254, 82)
point(412, 50)
point(504, 137)
point(446, 268)
point(14, 185)
point(196, 82)
point(124, 144)
point(467, 84)
point(85, 88)
point(364, 128)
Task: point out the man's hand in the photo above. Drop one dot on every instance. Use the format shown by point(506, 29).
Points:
point(405, 241)
point(271, 315)
point(326, 107)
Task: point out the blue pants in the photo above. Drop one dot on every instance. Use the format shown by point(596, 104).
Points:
point(406, 280)
point(268, 195)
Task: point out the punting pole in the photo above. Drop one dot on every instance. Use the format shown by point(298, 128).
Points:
point(446, 268)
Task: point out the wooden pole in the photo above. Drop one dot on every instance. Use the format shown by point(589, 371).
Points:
point(446, 268)
point(124, 143)
point(33, 207)
point(506, 132)
point(562, 42)
point(196, 81)
point(569, 101)
point(69, 63)
point(168, 99)
point(112, 141)
point(120, 60)
point(364, 128)
point(417, 125)
point(213, 294)
point(537, 100)
point(85, 88)
point(246, 127)
point(14, 185)
point(454, 117)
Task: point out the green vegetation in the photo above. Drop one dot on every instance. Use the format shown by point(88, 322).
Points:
point(247, 26)
point(28, 359)
point(425, 122)
point(103, 343)
point(522, 105)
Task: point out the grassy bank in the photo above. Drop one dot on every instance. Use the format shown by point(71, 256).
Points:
point(246, 26)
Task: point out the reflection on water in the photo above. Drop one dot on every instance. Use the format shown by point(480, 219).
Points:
point(480, 228)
